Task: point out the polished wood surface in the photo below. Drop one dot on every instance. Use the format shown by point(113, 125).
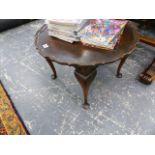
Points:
point(78, 54)
point(85, 59)
point(147, 40)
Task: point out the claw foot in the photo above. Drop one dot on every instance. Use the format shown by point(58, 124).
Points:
point(119, 75)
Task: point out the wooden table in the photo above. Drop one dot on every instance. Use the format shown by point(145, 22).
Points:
point(84, 59)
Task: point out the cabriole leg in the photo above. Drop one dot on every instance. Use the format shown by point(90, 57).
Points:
point(119, 74)
point(54, 75)
point(85, 76)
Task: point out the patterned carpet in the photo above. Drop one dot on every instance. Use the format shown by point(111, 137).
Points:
point(2, 128)
point(10, 124)
point(53, 107)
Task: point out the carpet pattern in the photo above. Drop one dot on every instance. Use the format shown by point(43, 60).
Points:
point(10, 124)
point(54, 107)
point(2, 128)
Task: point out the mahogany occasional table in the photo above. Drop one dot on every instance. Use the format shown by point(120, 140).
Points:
point(85, 59)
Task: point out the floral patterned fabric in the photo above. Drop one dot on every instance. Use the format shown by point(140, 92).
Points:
point(2, 128)
point(9, 122)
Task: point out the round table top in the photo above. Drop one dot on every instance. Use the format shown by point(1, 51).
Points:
point(77, 54)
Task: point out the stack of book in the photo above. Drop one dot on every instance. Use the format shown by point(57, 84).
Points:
point(66, 30)
point(103, 33)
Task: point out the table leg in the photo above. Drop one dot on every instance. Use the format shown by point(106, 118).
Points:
point(85, 76)
point(54, 75)
point(119, 74)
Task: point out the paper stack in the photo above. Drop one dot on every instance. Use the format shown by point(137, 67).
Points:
point(66, 30)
